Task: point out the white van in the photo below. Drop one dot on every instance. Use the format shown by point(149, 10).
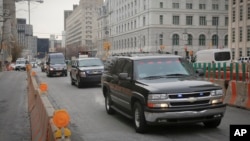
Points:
point(214, 56)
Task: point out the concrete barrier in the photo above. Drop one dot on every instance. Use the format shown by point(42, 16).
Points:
point(42, 112)
point(238, 94)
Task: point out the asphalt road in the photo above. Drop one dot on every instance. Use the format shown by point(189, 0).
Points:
point(14, 119)
point(90, 122)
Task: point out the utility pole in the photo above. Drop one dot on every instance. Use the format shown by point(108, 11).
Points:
point(40, 1)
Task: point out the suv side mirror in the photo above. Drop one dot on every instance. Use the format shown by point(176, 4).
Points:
point(123, 76)
point(200, 72)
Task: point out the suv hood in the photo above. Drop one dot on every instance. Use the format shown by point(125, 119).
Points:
point(175, 85)
point(91, 68)
point(57, 65)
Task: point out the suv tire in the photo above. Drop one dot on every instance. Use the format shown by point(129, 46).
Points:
point(108, 103)
point(72, 81)
point(139, 118)
point(212, 124)
point(78, 82)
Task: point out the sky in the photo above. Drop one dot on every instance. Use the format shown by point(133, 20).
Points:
point(46, 17)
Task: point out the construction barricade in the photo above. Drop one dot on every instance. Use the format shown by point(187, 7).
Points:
point(47, 124)
point(238, 94)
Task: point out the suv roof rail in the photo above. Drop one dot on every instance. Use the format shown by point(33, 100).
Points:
point(131, 54)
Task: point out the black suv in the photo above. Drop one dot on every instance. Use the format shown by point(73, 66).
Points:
point(160, 89)
point(86, 71)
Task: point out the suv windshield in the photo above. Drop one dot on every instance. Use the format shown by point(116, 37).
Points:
point(20, 62)
point(162, 67)
point(90, 62)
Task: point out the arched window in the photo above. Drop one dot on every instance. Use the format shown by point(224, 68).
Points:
point(202, 40)
point(190, 39)
point(226, 40)
point(214, 40)
point(176, 39)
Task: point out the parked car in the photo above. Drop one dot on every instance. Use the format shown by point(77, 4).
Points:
point(244, 60)
point(86, 71)
point(160, 89)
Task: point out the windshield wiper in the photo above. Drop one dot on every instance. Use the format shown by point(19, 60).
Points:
point(177, 74)
point(153, 77)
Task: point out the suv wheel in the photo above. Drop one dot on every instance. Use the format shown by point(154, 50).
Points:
point(139, 118)
point(213, 123)
point(78, 82)
point(108, 104)
point(72, 81)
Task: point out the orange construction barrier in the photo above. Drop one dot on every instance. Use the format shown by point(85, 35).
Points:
point(248, 96)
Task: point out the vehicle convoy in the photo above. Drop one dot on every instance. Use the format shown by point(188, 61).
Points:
point(214, 56)
point(55, 64)
point(160, 89)
point(86, 71)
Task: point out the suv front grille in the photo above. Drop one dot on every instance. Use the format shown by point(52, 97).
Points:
point(189, 99)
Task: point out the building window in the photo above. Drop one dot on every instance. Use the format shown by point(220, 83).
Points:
point(189, 6)
point(248, 51)
point(226, 21)
point(226, 7)
point(161, 4)
point(248, 11)
point(240, 52)
point(233, 14)
point(215, 7)
point(135, 42)
point(176, 20)
point(240, 37)
point(161, 19)
point(202, 40)
point(189, 20)
point(215, 40)
point(190, 39)
point(233, 35)
point(233, 53)
point(248, 33)
point(144, 21)
point(202, 6)
point(215, 21)
point(176, 5)
point(203, 20)
point(234, 1)
point(241, 13)
point(161, 39)
point(226, 40)
point(175, 39)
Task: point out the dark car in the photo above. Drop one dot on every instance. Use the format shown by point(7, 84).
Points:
point(160, 89)
point(86, 71)
point(56, 65)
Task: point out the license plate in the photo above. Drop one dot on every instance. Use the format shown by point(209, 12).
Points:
point(59, 73)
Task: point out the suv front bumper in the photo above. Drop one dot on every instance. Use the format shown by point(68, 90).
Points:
point(188, 116)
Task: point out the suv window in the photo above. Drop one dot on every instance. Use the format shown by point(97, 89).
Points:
point(162, 67)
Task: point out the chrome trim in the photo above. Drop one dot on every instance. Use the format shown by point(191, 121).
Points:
point(153, 117)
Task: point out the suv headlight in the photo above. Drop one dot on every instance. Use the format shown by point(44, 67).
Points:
point(216, 92)
point(157, 96)
point(83, 74)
